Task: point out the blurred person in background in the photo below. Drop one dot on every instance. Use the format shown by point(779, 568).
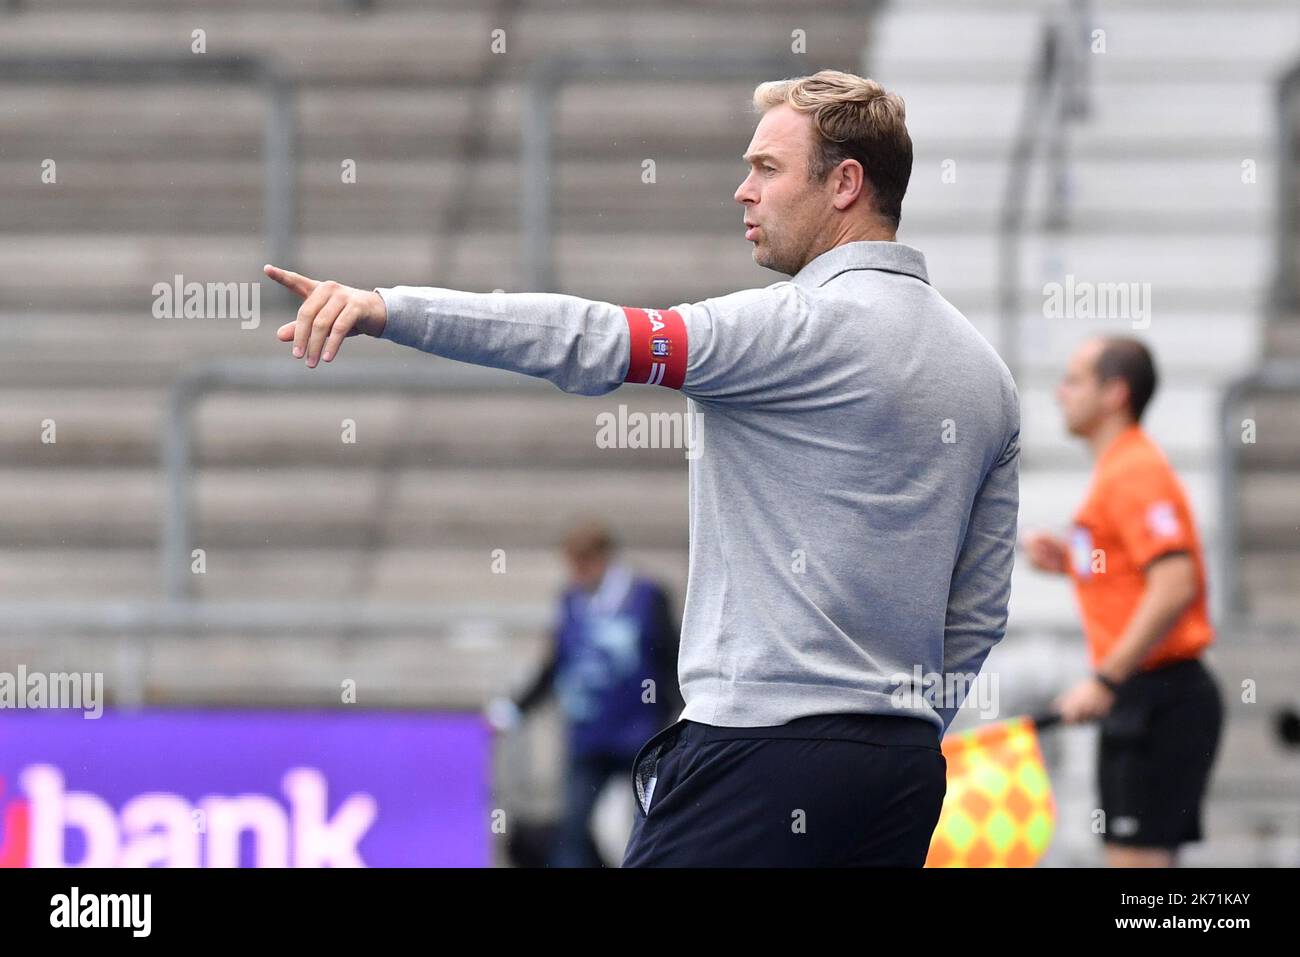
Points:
point(1139, 576)
point(613, 668)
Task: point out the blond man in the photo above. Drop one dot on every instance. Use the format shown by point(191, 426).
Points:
point(852, 509)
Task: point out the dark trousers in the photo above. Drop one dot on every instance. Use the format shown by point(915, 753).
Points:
point(821, 791)
point(584, 778)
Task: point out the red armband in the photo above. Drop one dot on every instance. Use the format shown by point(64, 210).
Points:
point(658, 347)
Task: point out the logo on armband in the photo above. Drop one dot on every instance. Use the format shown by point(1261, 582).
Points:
point(658, 347)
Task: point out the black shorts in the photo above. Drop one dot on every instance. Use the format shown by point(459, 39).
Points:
point(1154, 755)
point(842, 790)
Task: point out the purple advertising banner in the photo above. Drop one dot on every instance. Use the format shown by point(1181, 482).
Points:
point(243, 789)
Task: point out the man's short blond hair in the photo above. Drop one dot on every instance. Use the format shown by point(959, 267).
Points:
point(853, 118)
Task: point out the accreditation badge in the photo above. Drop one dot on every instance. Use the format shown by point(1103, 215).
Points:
point(1081, 551)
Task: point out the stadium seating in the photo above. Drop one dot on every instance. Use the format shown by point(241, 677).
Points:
point(156, 180)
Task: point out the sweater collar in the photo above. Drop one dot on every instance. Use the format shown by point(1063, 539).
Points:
point(865, 254)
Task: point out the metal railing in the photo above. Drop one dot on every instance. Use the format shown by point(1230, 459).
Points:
point(178, 609)
point(1057, 92)
point(1286, 283)
point(277, 375)
point(279, 193)
point(548, 76)
point(1272, 377)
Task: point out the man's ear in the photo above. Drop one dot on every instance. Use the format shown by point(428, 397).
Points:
point(851, 170)
point(1115, 395)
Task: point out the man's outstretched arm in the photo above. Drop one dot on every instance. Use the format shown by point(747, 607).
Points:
point(580, 345)
point(752, 346)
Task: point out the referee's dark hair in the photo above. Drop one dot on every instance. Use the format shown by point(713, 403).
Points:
point(1128, 359)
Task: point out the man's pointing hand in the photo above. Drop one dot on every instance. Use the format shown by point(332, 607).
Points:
point(329, 314)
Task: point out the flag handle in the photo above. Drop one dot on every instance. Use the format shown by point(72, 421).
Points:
point(1046, 719)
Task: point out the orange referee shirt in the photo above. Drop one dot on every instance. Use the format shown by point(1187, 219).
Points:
point(1135, 512)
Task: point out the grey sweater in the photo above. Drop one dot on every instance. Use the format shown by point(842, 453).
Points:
point(854, 490)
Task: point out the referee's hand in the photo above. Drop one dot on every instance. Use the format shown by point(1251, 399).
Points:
point(1046, 552)
point(329, 314)
point(1089, 700)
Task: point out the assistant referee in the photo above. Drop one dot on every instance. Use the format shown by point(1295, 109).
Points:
point(852, 506)
point(1135, 559)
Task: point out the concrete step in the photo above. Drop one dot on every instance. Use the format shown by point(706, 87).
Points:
point(331, 507)
point(325, 8)
point(432, 575)
point(1126, 110)
point(410, 44)
point(1132, 118)
point(128, 195)
point(1268, 581)
point(1277, 431)
point(457, 672)
point(1270, 510)
point(952, 39)
point(410, 505)
point(119, 272)
point(1283, 339)
point(82, 350)
point(449, 42)
point(122, 428)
